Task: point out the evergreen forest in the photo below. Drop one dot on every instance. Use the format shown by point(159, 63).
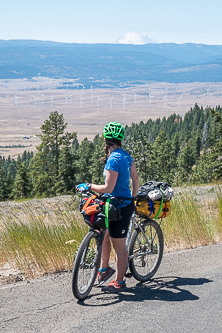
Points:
point(178, 150)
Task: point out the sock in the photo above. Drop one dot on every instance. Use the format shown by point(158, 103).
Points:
point(121, 282)
point(102, 269)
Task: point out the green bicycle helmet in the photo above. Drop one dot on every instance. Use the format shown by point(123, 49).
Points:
point(114, 130)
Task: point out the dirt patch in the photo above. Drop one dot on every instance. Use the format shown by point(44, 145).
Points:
point(9, 274)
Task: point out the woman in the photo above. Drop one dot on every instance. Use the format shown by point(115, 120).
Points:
point(119, 168)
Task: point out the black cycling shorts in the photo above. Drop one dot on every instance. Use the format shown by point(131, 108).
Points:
point(118, 229)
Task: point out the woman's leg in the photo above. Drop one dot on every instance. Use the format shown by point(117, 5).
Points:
point(119, 245)
point(118, 232)
point(105, 271)
point(106, 249)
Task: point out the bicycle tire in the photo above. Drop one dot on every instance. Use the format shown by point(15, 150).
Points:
point(86, 265)
point(144, 258)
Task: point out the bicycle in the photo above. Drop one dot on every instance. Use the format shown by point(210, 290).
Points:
point(144, 245)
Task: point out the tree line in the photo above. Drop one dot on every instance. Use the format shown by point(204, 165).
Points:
point(178, 150)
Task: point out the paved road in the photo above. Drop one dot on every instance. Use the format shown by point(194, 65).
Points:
point(185, 296)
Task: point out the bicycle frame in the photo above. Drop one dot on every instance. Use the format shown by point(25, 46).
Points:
point(144, 251)
point(133, 223)
point(130, 230)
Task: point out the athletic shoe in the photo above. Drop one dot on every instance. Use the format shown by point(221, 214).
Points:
point(114, 287)
point(104, 276)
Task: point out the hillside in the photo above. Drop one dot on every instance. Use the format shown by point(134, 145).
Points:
point(111, 65)
point(206, 198)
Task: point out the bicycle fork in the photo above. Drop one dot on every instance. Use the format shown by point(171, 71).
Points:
point(95, 259)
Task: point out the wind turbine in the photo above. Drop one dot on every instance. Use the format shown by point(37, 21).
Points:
point(124, 102)
point(164, 101)
point(111, 103)
point(70, 101)
point(151, 99)
point(179, 99)
point(66, 100)
point(135, 95)
point(92, 96)
point(42, 97)
point(35, 98)
point(91, 88)
point(52, 100)
point(207, 91)
point(83, 88)
point(81, 99)
point(16, 99)
point(78, 85)
point(98, 100)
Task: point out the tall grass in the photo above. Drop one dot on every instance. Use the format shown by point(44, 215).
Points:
point(42, 239)
point(42, 236)
point(196, 219)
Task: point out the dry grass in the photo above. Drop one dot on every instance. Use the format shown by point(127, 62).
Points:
point(196, 218)
point(41, 236)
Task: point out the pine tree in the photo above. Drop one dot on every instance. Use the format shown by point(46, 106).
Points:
point(216, 151)
point(84, 161)
point(163, 158)
point(48, 168)
point(141, 151)
point(185, 161)
point(2, 185)
point(97, 166)
point(22, 186)
point(202, 171)
point(9, 181)
point(67, 168)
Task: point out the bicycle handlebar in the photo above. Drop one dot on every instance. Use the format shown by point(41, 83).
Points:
point(105, 196)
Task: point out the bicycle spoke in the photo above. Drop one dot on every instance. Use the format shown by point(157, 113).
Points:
point(86, 266)
point(146, 250)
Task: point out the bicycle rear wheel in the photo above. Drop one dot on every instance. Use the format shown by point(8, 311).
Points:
point(86, 265)
point(146, 250)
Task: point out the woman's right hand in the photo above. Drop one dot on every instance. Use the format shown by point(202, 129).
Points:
point(82, 187)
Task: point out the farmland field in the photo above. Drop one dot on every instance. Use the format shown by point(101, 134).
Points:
point(25, 104)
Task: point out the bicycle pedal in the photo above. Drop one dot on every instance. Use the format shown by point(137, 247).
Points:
point(128, 275)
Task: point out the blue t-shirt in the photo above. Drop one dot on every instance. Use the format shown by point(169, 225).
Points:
point(120, 161)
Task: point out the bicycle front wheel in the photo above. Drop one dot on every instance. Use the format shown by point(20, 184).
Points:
point(86, 265)
point(145, 250)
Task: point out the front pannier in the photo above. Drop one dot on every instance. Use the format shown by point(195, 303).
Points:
point(95, 212)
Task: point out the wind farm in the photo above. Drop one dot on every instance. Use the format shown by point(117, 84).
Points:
point(86, 110)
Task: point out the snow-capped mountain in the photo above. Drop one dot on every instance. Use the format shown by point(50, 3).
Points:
point(135, 39)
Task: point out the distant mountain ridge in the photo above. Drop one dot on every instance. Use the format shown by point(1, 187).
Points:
point(111, 65)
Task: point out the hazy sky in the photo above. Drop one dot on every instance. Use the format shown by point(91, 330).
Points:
point(101, 21)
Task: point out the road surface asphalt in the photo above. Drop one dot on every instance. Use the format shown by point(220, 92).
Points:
point(184, 296)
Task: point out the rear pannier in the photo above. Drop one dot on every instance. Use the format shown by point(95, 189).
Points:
point(153, 200)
